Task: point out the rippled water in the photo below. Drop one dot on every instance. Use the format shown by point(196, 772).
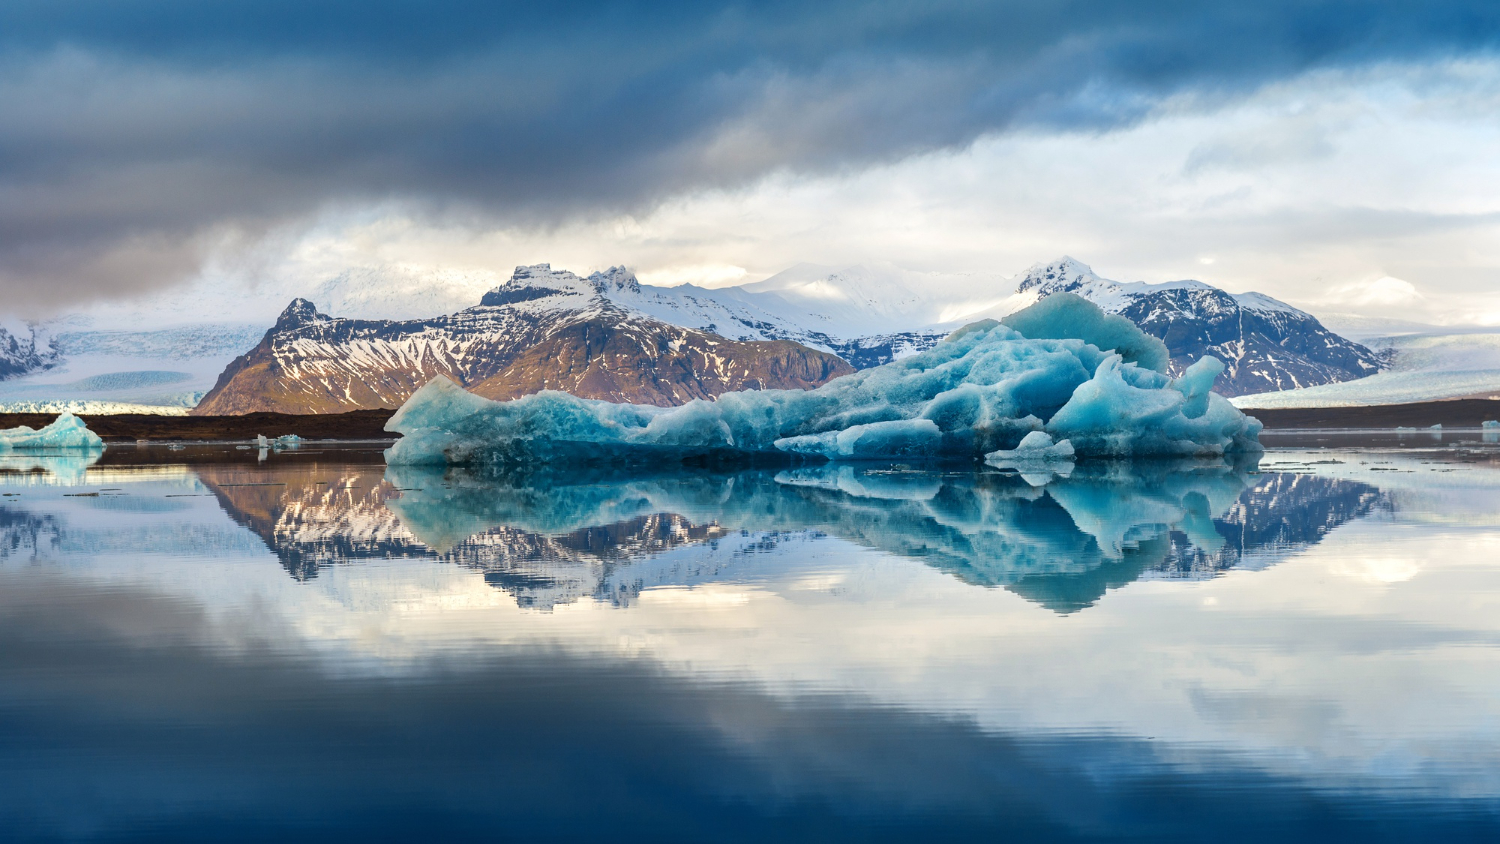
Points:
point(211, 644)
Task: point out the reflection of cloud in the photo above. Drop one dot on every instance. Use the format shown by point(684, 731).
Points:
point(1407, 671)
point(1379, 570)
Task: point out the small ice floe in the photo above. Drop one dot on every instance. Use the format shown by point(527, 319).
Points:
point(1036, 446)
point(1404, 430)
point(1437, 427)
point(1490, 424)
point(285, 441)
point(66, 432)
point(1037, 458)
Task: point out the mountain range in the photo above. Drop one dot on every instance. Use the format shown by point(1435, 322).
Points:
point(608, 335)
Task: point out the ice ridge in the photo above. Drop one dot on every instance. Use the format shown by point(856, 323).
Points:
point(981, 390)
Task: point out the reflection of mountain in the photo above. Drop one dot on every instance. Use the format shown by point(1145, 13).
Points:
point(25, 535)
point(565, 536)
point(310, 523)
point(1276, 516)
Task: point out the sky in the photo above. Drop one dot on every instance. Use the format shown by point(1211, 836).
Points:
point(1344, 156)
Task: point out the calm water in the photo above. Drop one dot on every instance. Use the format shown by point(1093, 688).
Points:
point(217, 644)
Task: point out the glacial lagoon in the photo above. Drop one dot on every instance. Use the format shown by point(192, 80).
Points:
point(211, 643)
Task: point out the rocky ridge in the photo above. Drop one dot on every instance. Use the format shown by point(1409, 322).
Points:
point(542, 330)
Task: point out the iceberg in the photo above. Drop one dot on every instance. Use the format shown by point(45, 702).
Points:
point(1489, 424)
point(66, 432)
point(982, 389)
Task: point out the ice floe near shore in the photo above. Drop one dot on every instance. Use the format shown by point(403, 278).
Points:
point(67, 432)
point(982, 389)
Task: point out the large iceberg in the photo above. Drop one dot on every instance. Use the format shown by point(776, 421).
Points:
point(981, 390)
point(66, 432)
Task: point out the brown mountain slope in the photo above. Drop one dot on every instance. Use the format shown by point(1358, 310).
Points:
point(311, 363)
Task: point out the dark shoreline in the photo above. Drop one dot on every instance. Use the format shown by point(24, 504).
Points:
point(370, 424)
point(1458, 413)
point(354, 425)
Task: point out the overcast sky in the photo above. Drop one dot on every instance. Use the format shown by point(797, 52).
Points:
point(1341, 155)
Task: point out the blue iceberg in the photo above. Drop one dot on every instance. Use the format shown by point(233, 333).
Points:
point(66, 432)
point(981, 390)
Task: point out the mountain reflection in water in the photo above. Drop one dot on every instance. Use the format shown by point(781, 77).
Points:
point(556, 537)
point(815, 654)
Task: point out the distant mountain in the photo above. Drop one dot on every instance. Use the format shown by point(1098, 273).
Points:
point(1265, 344)
point(166, 370)
point(543, 329)
point(24, 350)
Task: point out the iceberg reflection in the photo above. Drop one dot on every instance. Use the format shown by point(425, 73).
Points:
point(554, 537)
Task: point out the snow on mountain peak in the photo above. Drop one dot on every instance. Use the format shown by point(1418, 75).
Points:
point(299, 312)
point(615, 280)
point(1064, 275)
point(540, 281)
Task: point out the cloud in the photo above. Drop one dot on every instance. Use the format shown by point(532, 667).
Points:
point(1384, 291)
point(1408, 192)
point(137, 132)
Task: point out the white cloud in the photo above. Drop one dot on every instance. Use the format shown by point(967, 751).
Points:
point(1372, 191)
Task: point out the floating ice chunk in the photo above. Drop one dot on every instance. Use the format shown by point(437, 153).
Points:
point(1489, 423)
point(1036, 446)
point(1437, 427)
point(261, 441)
point(288, 441)
point(1038, 459)
point(1403, 430)
point(982, 389)
point(67, 431)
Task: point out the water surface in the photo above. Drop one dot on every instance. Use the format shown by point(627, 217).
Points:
point(219, 644)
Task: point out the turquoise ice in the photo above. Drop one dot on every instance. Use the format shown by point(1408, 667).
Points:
point(981, 390)
point(66, 432)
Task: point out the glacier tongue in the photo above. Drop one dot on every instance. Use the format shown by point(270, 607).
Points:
point(66, 432)
point(982, 389)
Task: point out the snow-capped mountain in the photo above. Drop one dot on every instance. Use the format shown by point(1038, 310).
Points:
point(1265, 344)
point(543, 329)
point(609, 336)
point(870, 315)
point(24, 349)
point(867, 317)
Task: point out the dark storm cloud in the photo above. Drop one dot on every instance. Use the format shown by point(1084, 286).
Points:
point(138, 135)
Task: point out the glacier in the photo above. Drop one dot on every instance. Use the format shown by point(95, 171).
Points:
point(982, 389)
point(66, 432)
